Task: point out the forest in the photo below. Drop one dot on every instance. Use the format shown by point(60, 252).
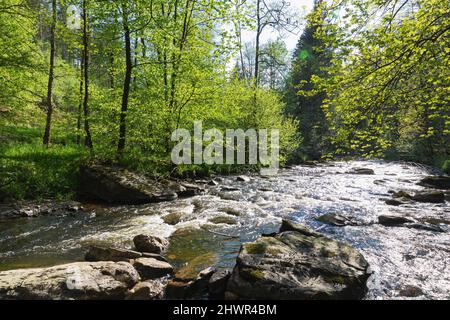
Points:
point(107, 81)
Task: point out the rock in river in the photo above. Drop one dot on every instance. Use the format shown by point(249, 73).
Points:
point(118, 185)
point(392, 221)
point(298, 265)
point(150, 268)
point(438, 182)
point(361, 171)
point(151, 244)
point(336, 220)
point(79, 280)
point(429, 197)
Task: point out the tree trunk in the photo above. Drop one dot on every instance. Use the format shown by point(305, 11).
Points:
point(49, 102)
point(80, 105)
point(88, 139)
point(126, 83)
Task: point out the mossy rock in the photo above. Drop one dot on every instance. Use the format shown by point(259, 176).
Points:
point(173, 218)
point(223, 220)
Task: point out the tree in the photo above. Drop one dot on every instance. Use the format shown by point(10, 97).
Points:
point(85, 64)
point(304, 100)
point(49, 100)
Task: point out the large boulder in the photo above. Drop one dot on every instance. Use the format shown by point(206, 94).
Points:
point(80, 280)
point(118, 185)
point(218, 284)
point(151, 244)
point(150, 268)
point(298, 265)
point(429, 197)
point(438, 182)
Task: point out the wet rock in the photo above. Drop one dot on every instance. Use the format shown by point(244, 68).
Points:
point(243, 178)
point(298, 265)
point(429, 197)
point(150, 268)
point(31, 209)
point(336, 220)
point(173, 218)
point(80, 280)
point(401, 194)
point(394, 202)
point(218, 284)
point(117, 185)
point(147, 290)
point(151, 244)
point(289, 225)
point(223, 220)
point(392, 221)
point(361, 171)
point(425, 227)
point(410, 292)
point(229, 188)
point(96, 253)
point(437, 182)
point(436, 221)
point(184, 286)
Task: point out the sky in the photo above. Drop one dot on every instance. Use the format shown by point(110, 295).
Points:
point(301, 8)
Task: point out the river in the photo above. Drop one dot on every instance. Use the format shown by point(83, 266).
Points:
point(208, 229)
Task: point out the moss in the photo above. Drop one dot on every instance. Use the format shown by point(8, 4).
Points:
point(253, 274)
point(336, 280)
point(223, 219)
point(172, 218)
point(255, 248)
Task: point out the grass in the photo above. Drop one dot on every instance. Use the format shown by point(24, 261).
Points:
point(32, 171)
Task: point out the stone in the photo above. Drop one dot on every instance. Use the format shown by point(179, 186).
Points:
point(217, 284)
point(429, 197)
point(150, 268)
point(151, 244)
point(289, 225)
point(401, 194)
point(79, 281)
point(243, 178)
point(437, 182)
point(32, 209)
point(392, 221)
point(336, 220)
point(393, 202)
point(185, 286)
point(172, 218)
point(424, 227)
point(363, 171)
point(410, 292)
point(298, 265)
point(223, 220)
point(120, 186)
point(97, 253)
point(147, 290)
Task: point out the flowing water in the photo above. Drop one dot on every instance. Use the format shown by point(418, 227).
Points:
point(207, 230)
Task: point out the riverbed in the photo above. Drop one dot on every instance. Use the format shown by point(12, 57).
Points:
point(208, 229)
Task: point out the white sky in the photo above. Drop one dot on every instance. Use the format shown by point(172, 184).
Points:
point(301, 8)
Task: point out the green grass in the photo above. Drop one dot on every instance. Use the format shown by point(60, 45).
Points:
point(31, 171)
